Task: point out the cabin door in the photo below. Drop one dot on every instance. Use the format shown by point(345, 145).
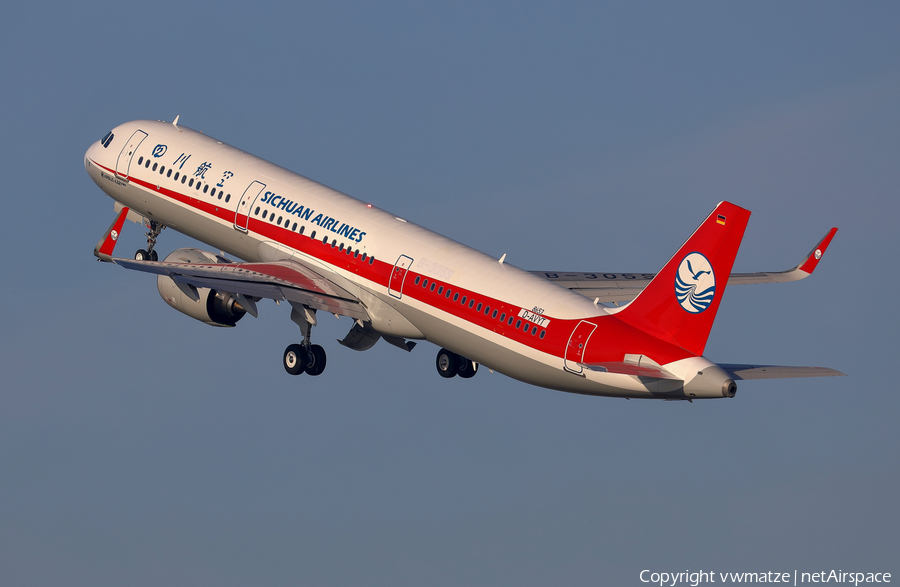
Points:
point(242, 214)
point(123, 163)
point(577, 345)
point(398, 276)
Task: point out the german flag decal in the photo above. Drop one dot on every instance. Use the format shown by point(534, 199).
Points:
point(720, 219)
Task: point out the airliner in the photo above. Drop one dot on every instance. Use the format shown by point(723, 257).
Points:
point(278, 235)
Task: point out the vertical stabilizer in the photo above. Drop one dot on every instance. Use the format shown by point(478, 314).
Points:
point(679, 305)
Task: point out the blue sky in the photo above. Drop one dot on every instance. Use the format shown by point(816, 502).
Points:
point(138, 447)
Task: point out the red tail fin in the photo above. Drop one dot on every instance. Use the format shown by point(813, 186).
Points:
point(679, 305)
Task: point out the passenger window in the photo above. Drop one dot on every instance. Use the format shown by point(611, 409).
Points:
point(425, 283)
point(205, 188)
point(341, 247)
point(212, 194)
point(463, 302)
point(169, 174)
point(154, 166)
point(183, 178)
point(478, 309)
point(364, 256)
point(448, 293)
point(301, 229)
point(264, 214)
point(220, 194)
point(543, 332)
point(432, 285)
point(533, 330)
point(518, 323)
point(455, 296)
point(471, 303)
point(279, 220)
point(371, 260)
point(140, 159)
point(256, 212)
point(162, 169)
point(503, 317)
point(312, 235)
point(418, 279)
point(510, 321)
point(176, 176)
point(147, 164)
point(487, 310)
point(441, 290)
point(494, 315)
point(228, 197)
point(295, 228)
point(191, 183)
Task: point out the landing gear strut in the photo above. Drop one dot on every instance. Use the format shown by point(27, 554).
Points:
point(449, 364)
point(304, 357)
point(149, 254)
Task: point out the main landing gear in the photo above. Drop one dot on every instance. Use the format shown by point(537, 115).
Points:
point(304, 357)
point(299, 359)
point(449, 364)
point(149, 254)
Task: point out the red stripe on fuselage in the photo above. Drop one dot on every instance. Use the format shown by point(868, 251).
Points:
point(610, 342)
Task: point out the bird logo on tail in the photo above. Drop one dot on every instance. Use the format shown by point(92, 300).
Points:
point(695, 283)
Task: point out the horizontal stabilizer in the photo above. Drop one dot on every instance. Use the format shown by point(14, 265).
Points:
point(628, 368)
point(776, 372)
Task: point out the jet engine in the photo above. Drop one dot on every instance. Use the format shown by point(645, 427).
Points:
point(212, 307)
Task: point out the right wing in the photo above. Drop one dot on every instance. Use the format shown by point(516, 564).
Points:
point(624, 287)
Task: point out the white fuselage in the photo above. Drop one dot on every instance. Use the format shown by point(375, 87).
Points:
point(259, 211)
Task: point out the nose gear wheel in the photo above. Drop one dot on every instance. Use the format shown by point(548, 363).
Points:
point(149, 254)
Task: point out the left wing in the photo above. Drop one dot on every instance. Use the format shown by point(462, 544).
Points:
point(277, 280)
point(624, 287)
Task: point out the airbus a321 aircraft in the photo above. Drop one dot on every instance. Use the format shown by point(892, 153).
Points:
point(609, 334)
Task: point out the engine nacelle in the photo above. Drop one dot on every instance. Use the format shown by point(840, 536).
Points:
point(213, 307)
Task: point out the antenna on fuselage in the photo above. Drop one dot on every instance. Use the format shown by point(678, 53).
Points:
point(175, 122)
point(503, 258)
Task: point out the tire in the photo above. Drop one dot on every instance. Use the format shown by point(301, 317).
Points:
point(467, 368)
point(154, 256)
point(141, 255)
point(447, 363)
point(294, 359)
point(316, 360)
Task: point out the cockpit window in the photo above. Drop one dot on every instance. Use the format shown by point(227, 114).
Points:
point(105, 141)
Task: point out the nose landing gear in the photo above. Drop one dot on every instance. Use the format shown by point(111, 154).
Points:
point(149, 254)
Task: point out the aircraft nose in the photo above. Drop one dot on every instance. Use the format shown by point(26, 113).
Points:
point(92, 153)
